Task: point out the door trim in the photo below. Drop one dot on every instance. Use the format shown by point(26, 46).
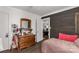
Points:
point(76, 29)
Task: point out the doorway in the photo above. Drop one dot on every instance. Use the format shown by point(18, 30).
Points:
point(46, 28)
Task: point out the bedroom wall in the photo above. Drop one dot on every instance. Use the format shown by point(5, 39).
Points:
point(14, 18)
point(63, 22)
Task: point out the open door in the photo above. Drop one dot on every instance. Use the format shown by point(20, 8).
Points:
point(4, 31)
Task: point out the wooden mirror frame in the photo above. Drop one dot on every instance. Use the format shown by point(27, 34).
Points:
point(23, 19)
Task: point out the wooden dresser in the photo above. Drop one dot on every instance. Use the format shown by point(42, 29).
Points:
point(26, 41)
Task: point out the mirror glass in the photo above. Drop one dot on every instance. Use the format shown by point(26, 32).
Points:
point(25, 23)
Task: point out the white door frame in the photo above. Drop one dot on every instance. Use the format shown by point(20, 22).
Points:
point(48, 26)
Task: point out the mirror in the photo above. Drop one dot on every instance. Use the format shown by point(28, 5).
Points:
point(25, 23)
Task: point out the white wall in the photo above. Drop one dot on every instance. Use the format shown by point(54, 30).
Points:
point(14, 18)
point(3, 31)
point(39, 29)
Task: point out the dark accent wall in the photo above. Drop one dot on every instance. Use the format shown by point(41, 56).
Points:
point(63, 22)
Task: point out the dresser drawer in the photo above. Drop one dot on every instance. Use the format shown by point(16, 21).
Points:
point(24, 45)
point(22, 40)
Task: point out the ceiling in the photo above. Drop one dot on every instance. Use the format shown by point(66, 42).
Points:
point(41, 10)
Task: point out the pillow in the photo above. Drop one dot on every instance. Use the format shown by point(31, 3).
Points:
point(67, 37)
point(77, 42)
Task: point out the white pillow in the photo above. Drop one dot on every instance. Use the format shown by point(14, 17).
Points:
point(77, 42)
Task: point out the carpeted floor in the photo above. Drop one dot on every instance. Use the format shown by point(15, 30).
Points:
point(34, 49)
